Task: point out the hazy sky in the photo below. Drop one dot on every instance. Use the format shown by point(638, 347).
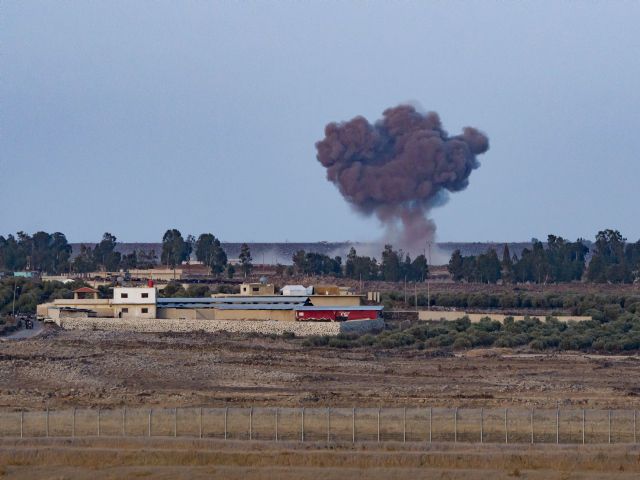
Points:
point(132, 117)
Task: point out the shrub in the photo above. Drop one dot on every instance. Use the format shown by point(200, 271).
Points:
point(316, 341)
point(462, 342)
point(336, 342)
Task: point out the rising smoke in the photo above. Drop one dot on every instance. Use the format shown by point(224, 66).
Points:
point(400, 168)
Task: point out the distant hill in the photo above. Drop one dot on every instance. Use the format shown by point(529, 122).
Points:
point(281, 252)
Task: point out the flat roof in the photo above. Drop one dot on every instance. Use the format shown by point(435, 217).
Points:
point(254, 306)
point(251, 299)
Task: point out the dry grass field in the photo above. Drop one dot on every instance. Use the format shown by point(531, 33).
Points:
point(62, 369)
point(181, 459)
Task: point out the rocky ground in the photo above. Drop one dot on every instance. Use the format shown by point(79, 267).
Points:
point(71, 368)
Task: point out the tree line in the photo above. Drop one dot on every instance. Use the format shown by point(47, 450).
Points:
point(395, 265)
point(613, 260)
point(207, 249)
point(51, 253)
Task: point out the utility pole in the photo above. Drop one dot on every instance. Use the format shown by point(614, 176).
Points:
point(405, 290)
point(428, 280)
point(13, 308)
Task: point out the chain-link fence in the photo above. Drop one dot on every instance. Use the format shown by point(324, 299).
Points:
point(475, 425)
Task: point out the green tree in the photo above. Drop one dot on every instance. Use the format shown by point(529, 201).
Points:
point(174, 249)
point(488, 267)
point(360, 268)
point(456, 266)
point(390, 268)
point(105, 255)
point(419, 269)
point(210, 252)
point(608, 263)
point(245, 259)
point(231, 271)
point(506, 264)
point(147, 258)
point(84, 261)
point(61, 253)
point(299, 259)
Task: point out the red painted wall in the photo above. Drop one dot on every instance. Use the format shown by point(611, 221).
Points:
point(336, 315)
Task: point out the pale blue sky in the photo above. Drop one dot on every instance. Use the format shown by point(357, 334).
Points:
point(135, 116)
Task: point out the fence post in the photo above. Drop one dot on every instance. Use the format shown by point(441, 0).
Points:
point(149, 422)
point(532, 414)
point(22, 423)
point(353, 425)
point(404, 425)
point(276, 424)
point(98, 421)
point(378, 425)
point(250, 423)
point(73, 423)
point(481, 425)
point(506, 427)
point(557, 425)
point(609, 426)
point(226, 414)
point(635, 430)
point(124, 421)
point(430, 423)
point(175, 422)
point(455, 425)
point(200, 422)
point(302, 415)
point(583, 424)
point(329, 425)
point(47, 426)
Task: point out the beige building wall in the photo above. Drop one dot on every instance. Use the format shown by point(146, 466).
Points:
point(176, 313)
point(101, 306)
point(216, 314)
point(124, 310)
point(257, 289)
point(336, 300)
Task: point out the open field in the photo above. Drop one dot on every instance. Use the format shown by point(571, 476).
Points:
point(177, 459)
point(62, 369)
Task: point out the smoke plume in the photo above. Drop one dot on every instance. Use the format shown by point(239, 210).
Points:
point(399, 168)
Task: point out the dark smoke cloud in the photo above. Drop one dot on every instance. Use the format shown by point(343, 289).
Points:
point(400, 167)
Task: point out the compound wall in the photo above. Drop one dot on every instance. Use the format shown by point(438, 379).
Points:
point(155, 325)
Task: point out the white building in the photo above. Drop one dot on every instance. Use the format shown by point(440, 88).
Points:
point(134, 302)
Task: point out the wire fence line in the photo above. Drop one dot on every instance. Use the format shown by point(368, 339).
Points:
point(333, 425)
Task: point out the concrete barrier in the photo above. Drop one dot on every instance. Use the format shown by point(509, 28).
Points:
point(158, 325)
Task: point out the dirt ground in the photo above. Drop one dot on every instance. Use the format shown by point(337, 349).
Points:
point(177, 459)
point(79, 369)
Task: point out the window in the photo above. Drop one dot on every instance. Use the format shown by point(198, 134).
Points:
point(145, 310)
point(145, 295)
point(124, 295)
point(256, 289)
point(125, 310)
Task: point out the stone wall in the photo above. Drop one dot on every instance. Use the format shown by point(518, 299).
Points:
point(300, 329)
